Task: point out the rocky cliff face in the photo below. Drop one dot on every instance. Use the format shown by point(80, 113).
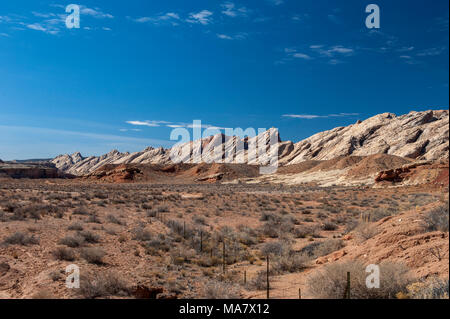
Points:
point(30, 170)
point(417, 135)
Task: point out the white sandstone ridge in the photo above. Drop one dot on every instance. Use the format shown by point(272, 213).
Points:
point(417, 135)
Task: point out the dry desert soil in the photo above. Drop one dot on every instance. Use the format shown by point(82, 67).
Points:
point(212, 240)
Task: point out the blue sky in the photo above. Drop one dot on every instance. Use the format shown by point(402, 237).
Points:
point(136, 69)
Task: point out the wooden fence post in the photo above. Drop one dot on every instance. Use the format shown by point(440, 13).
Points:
point(268, 285)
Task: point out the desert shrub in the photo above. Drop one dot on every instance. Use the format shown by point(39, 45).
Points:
point(274, 248)
point(199, 220)
point(181, 256)
point(141, 234)
point(89, 237)
point(328, 246)
point(434, 288)
point(64, 253)
point(56, 275)
point(80, 211)
point(75, 226)
point(365, 231)
point(247, 239)
point(437, 219)
point(270, 230)
point(102, 285)
point(287, 224)
point(179, 228)
point(220, 290)
point(162, 209)
point(330, 282)
point(259, 281)
point(291, 262)
point(351, 225)
point(101, 195)
point(93, 255)
point(157, 244)
point(305, 231)
point(20, 238)
point(318, 249)
point(329, 226)
point(94, 219)
point(43, 294)
point(267, 216)
point(380, 213)
point(72, 241)
point(36, 211)
point(113, 219)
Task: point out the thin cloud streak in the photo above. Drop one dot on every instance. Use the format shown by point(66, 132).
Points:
point(314, 116)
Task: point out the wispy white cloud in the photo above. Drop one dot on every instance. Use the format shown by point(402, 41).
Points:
point(47, 28)
point(163, 18)
point(405, 49)
point(299, 17)
point(171, 124)
point(333, 54)
point(301, 56)
point(6, 35)
point(147, 123)
point(275, 2)
point(95, 12)
point(432, 52)
point(238, 36)
point(133, 130)
point(4, 19)
point(203, 17)
point(230, 10)
point(54, 22)
point(314, 116)
point(333, 50)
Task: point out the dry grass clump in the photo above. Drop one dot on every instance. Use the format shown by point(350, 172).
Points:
point(365, 231)
point(103, 284)
point(290, 262)
point(433, 288)
point(93, 255)
point(330, 282)
point(329, 226)
point(437, 219)
point(89, 237)
point(305, 231)
point(220, 290)
point(43, 294)
point(114, 220)
point(141, 234)
point(75, 226)
point(22, 239)
point(284, 258)
point(319, 249)
point(72, 241)
point(64, 253)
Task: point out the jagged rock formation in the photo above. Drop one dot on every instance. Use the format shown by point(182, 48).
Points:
point(417, 135)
